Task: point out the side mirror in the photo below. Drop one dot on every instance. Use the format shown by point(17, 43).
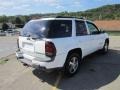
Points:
point(96, 32)
point(102, 31)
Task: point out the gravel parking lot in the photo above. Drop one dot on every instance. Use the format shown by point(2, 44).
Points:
point(97, 72)
point(7, 45)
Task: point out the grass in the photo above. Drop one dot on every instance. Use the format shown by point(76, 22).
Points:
point(113, 33)
point(3, 60)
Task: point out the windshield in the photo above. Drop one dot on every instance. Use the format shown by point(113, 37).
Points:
point(35, 29)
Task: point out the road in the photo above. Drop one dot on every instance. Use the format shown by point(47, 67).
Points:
point(97, 72)
point(7, 45)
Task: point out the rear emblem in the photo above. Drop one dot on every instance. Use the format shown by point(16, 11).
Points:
point(28, 38)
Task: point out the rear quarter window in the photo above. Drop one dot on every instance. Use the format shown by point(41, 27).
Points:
point(60, 28)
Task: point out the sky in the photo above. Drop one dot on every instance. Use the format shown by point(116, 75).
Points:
point(26, 7)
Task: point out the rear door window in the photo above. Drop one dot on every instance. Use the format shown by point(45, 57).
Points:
point(81, 28)
point(60, 28)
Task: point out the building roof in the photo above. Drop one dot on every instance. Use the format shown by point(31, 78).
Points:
point(108, 25)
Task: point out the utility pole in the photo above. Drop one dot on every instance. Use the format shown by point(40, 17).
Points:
point(100, 17)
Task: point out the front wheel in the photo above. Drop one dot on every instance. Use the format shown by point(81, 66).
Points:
point(72, 64)
point(105, 47)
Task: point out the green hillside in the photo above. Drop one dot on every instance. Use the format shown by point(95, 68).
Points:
point(107, 12)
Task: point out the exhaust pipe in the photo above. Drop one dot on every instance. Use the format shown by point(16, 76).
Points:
point(26, 65)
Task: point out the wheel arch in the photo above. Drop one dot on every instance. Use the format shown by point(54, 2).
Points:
point(75, 50)
point(107, 40)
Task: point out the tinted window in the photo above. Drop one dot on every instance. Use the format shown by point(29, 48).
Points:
point(92, 28)
point(81, 28)
point(60, 28)
point(48, 29)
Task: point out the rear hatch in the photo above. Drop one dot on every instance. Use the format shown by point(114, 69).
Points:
point(32, 47)
point(32, 39)
point(36, 33)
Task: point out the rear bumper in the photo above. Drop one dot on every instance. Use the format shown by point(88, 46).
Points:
point(19, 55)
point(31, 61)
point(28, 62)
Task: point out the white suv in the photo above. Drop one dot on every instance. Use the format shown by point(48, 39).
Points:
point(60, 42)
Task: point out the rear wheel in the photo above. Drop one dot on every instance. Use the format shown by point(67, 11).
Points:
point(72, 64)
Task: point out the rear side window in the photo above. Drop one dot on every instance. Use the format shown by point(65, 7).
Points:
point(81, 28)
point(60, 28)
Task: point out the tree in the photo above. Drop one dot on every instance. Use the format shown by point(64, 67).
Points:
point(3, 19)
point(4, 26)
point(19, 23)
point(18, 20)
point(11, 19)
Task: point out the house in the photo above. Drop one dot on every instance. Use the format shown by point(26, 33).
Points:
point(11, 26)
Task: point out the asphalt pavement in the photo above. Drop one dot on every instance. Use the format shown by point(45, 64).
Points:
point(7, 45)
point(97, 71)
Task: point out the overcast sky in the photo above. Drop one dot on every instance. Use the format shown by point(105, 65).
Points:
point(25, 7)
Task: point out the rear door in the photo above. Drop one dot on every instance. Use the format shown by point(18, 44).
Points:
point(26, 45)
point(82, 37)
point(32, 37)
point(32, 48)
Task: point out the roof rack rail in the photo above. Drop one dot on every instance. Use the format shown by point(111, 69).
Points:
point(64, 17)
point(70, 17)
point(55, 16)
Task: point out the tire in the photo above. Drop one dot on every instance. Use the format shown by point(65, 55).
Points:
point(105, 47)
point(72, 64)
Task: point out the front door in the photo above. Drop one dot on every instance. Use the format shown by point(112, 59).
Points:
point(95, 36)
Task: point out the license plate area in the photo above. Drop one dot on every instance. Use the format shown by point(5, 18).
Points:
point(28, 46)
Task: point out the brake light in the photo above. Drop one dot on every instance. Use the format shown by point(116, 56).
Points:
point(50, 49)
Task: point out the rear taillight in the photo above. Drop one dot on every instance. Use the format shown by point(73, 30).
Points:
point(50, 49)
